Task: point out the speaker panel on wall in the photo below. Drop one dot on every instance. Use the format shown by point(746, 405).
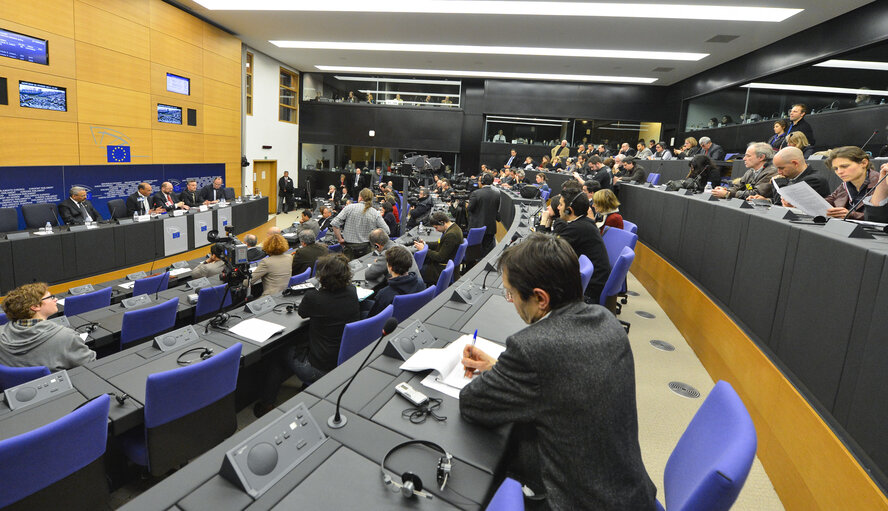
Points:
point(4, 100)
point(192, 117)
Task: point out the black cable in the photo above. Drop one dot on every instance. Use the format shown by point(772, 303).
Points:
point(419, 414)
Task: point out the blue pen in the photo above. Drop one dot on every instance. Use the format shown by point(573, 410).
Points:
point(475, 337)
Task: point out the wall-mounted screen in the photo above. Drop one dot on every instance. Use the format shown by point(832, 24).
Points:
point(45, 97)
point(178, 84)
point(169, 114)
point(23, 47)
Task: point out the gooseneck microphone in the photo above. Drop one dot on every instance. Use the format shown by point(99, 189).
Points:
point(875, 132)
point(337, 420)
point(857, 204)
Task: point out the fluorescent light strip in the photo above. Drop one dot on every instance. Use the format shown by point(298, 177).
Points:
point(490, 50)
point(814, 88)
point(486, 74)
point(496, 117)
point(453, 83)
point(529, 123)
point(389, 92)
point(855, 64)
point(516, 8)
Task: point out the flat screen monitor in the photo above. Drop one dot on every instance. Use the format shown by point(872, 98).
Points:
point(178, 84)
point(23, 47)
point(45, 97)
point(169, 114)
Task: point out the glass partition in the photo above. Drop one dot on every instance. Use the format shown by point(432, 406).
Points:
point(393, 91)
point(345, 158)
point(551, 131)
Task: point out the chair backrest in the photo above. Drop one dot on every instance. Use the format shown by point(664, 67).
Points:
point(36, 215)
point(476, 235)
point(336, 247)
point(322, 233)
point(229, 193)
point(615, 240)
point(152, 285)
point(709, 465)
point(359, 334)
point(3, 318)
point(419, 256)
point(302, 277)
point(12, 376)
point(405, 305)
point(629, 226)
point(460, 253)
point(508, 497)
point(617, 275)
point(117, 208)
point(445, 278)
point(8, 220)
point(35, 460)
point(586, 271)
point(79, 304)
point(650, 177)
point(142, 323)
point(544, 194)
point(209, 300)
point(655, 179)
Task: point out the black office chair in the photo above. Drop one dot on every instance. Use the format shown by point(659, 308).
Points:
point(36, 215)
point(229, 193)
point(117, 208)
point(8, 220)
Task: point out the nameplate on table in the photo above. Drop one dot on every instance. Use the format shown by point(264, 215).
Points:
point(17, 235)
point(180, 264)
point(179, 212)
point(141, 218)
point(203, 207)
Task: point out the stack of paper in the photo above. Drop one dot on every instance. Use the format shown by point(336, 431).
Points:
point(448, 374)
point(256, 330)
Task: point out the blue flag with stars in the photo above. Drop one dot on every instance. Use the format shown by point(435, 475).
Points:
point(118, 153)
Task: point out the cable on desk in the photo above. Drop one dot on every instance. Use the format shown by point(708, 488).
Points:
point(419, 414)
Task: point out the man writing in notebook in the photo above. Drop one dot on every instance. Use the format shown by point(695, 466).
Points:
point(567, 382)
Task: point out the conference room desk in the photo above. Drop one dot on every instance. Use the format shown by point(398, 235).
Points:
point(344, 472)
point(810, 297)
point(67, 255)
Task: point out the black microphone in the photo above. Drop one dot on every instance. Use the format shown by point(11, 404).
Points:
point(337, 421)
point(860, 200)
point(487, 269)
point(868, 140)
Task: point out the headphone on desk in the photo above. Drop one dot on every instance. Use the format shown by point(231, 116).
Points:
point(410, 483)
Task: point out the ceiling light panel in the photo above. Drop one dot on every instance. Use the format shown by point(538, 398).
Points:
point(855, 64)
point(517, 8)
point(486, 74)
point(814, 88)
point(490, 50)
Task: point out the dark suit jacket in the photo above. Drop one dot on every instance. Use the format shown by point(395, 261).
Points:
point(484, 209)
point(285, 186)
point(132, 203)
point(305, 257)
point(804, 127)
point(192, 200)
point(72, 215)
point(159, 201)
point(810, 176)
point(516, 161)
point(567, 382)
point(255, 254)
point(206, 193)
point(716, 152)
point(436, 259)
point(353, 188)
point(585, 238)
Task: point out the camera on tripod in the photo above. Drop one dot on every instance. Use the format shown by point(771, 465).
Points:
point(234, 255)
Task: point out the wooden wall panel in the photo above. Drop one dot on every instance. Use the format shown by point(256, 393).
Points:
point(94, 140)
point(112, 106)
point(102, 28)
point(221, 43)
point(221, 94)
point(233, 176)
point(221, 69)
point(219, 149)
point(56, 16)
point(158, 83)
point(107, 67)
point(39, 142)
point(176, 53)
point(220, 121)
point(132, 10)
point(173, 146)
point(13, 109)
point(61, 51)
point(176, 23)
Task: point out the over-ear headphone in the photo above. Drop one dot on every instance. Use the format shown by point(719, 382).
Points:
point(570, 206)
point(287, 307)
point(205, 353)
point(410, 483)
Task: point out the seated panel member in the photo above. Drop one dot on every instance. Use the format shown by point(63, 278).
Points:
point(76, 210)
point(166, 199)
point(29, 340)
point(402, 281)
point(437, 257)
point(140, 202)
point(191, 196)
point(308, 252)
point(566, 382)
point(213, 193)
point(855, 169)
point(212, 265)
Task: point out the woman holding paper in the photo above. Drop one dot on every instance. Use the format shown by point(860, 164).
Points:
point(855, 169)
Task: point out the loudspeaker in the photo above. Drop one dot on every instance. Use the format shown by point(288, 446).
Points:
point(4, 100)
point(466, 293)
point(192, 117)
point(176, 338)
point(198, 283)
point(137, 275)
point(35, 391)
point(135, 301)
point(408, 341)
point(79, 290)
point(260, 305)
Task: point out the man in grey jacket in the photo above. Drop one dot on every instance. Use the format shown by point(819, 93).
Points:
point(30, 340)
point(567, 382)
point(377, 274)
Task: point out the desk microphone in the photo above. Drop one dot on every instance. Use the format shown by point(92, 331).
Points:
point(337, 420)
point(867, 194)
point(869, 139)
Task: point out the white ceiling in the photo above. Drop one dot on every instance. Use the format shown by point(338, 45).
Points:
point(256, 28)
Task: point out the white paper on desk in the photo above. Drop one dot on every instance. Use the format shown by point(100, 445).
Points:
point(448, 375)
point(61, 301)
point(127, 285)
point(256, 330)
point(84, 335)
point(802, 196)
point(179, 271)
point(363, 293)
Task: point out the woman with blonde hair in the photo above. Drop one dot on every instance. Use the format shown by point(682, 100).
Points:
point(607, 212)
point(799, 140)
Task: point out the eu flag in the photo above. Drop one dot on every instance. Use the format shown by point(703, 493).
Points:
point(118, 153)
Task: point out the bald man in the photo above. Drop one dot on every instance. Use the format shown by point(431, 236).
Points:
point(792, 168)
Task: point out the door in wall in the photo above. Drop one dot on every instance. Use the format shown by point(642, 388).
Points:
point(265, 181)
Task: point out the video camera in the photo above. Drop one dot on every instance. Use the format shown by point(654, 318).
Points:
point(234, 255)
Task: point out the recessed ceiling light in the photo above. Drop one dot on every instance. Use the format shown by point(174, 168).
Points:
point(491, 50)
point(453, 83)
point(855, 64)
point(814, 88)
point(516, 8)
point(486, 74)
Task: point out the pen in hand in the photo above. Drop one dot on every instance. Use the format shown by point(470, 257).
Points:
point(469, 352)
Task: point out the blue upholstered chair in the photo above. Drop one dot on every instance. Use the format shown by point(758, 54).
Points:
point(12, 376)
point(420, 255)
point(302, 277)
point(586, 270)
point(709, 465)
point(359, 334)
point(3, 319)
point(405, 305)
point(86, 302)
point(445, 278)
point(151, 285)
point(321, 234)
point(188, 410)
point(618, 273)
point(209, 300)
point(508, 497)
point(629, 226)
point(147, 322)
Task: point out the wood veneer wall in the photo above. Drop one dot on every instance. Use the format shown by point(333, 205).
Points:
point(112, 56)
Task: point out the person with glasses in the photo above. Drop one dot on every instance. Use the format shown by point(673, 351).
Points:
point(30, 340)
point(567, 384)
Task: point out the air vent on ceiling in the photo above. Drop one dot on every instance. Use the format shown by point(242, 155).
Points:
point(662, 69)
point(722, 38)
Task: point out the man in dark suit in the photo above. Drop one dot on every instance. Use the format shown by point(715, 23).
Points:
point(76, 210)
point(420, 211)
point(483, 211)
point(437, 256)
point(326, 218)
point(285, 193)
point(711, 149)
point(798, 123)
point(254, 251)
point(512, 161)
point(213, 193)
point(308, 252)
point(190, 196)
point(358, 183)
point(572, 456)
point(583, 236)
point(140, 202)
point(166, 199)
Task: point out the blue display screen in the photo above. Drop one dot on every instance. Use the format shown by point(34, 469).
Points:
point(22, 47)
point(45, 97)
point(169, 114)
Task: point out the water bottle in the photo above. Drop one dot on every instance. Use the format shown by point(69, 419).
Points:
point(420, 227)
point(708, 188)
point(47, 227)
point(135, 215)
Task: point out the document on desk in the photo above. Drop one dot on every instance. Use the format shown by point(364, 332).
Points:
point(363, 293)
point(802, 196)
point(256, 330)
point(179, 271)
point(127, 285)
point(448, 374)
